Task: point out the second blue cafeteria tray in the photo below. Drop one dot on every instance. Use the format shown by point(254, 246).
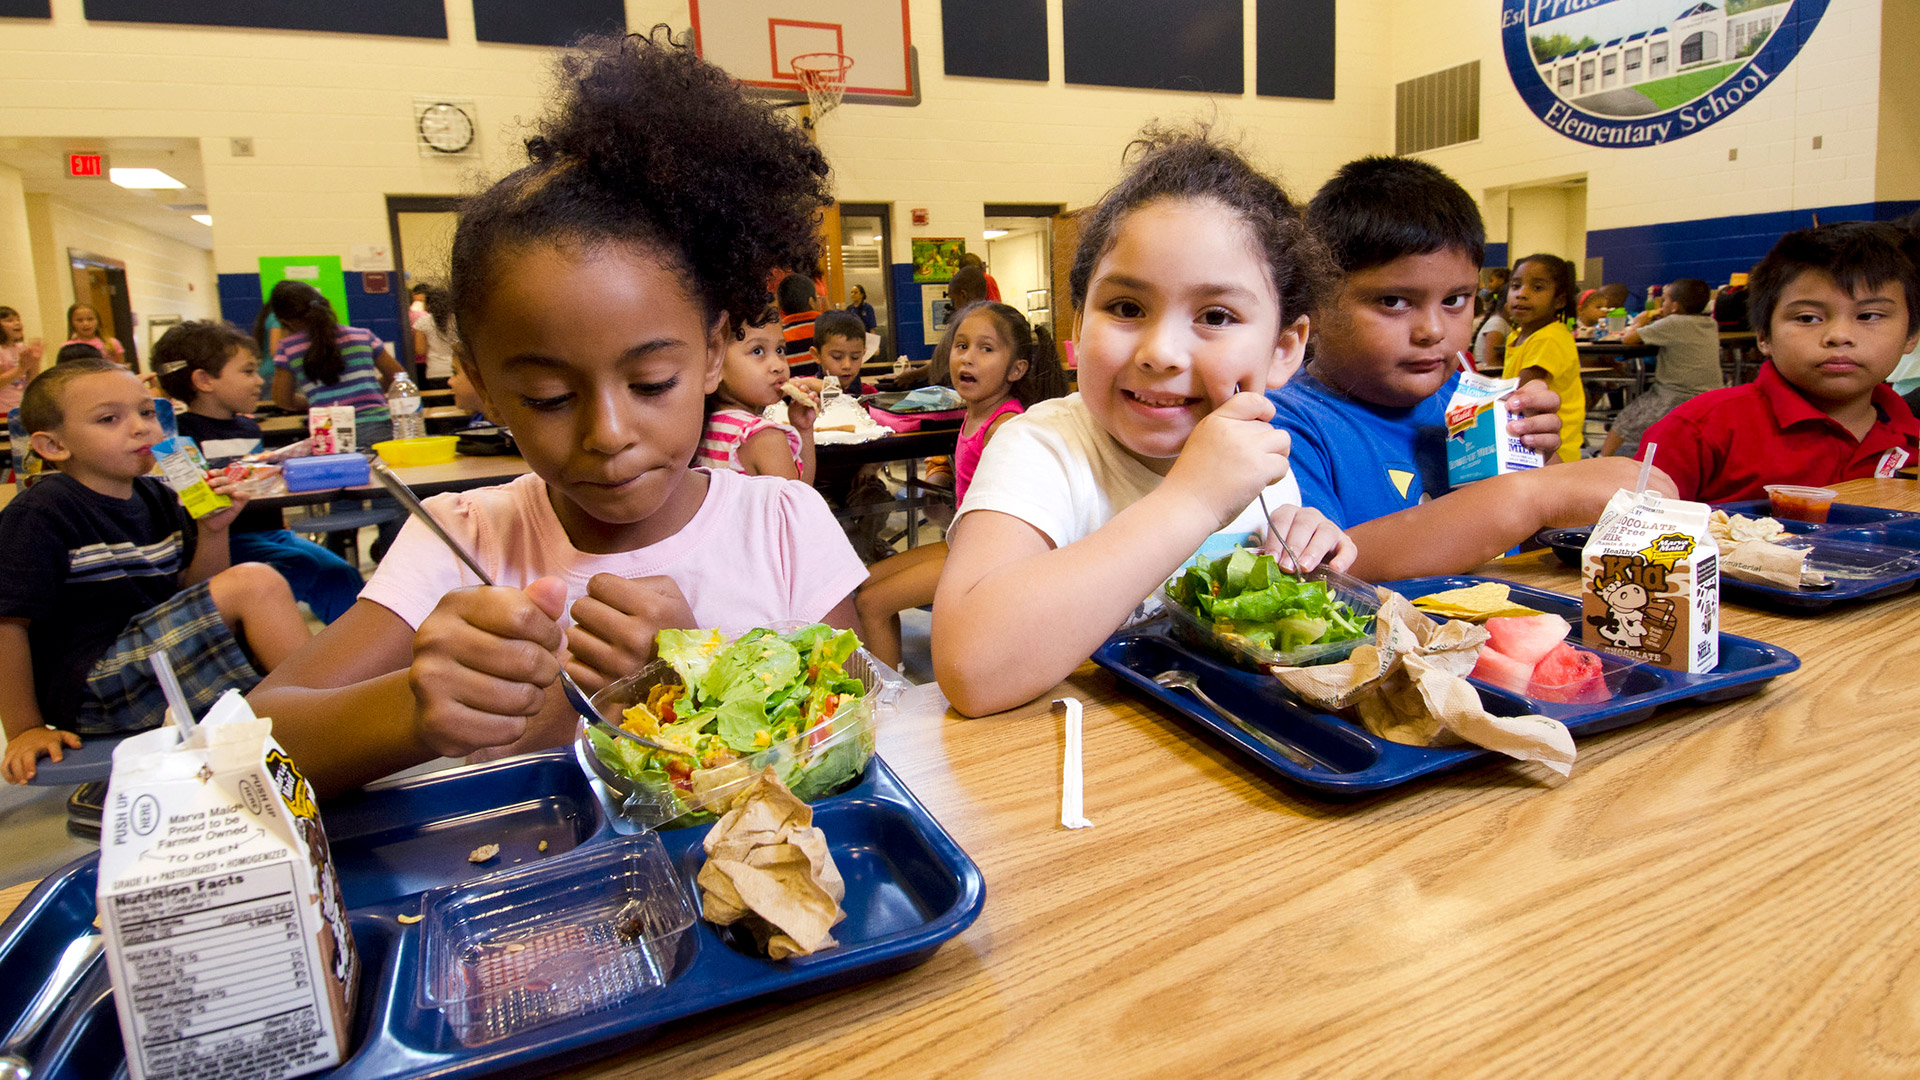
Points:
point(1364, 763)
point(909, 889)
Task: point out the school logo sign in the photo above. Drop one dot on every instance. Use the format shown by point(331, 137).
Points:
point(1641, 72)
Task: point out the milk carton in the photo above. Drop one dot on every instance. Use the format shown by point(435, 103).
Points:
point(1650, 583)
point(1478, 443)
point(226, 935)
point(331, 428)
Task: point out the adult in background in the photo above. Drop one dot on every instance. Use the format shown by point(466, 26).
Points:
point(859, 306)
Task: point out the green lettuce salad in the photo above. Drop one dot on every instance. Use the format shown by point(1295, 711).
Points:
point(1246, 597)
point(765, 698)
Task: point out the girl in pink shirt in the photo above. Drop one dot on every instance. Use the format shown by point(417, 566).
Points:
point(615, 534)
point(19, 362)
point(1000, 364)
point(83, 328)
point(737, 437)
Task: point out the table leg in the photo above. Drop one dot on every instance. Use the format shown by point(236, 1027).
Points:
point(913, 510)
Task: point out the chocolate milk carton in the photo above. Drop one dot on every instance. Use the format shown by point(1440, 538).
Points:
point(226, 935)
point(1650, 583)
point(1478, 443)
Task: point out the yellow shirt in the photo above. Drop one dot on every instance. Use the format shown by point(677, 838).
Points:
point(1552, 350)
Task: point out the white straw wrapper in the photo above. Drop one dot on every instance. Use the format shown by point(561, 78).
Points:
point(1072, 789)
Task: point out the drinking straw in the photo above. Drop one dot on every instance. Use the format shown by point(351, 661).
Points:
point(1646, 468)
point(176, 698)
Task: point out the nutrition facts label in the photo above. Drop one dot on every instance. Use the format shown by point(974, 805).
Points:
point(220, 976)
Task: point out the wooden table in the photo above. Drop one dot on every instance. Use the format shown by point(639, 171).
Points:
point(1715, 892)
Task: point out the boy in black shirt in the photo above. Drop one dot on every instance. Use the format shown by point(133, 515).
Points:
point(211, 368)
point(104, 566)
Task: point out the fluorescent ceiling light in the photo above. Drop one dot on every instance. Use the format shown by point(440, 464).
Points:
point(994, 234)
point(142, 178)
point(204, 219)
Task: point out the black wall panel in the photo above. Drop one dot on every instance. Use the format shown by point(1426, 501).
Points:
point(996, 39)
point(547, 22)
point(26, 9)
point(1156, 44)
point(402, 18)
point(1293, 48)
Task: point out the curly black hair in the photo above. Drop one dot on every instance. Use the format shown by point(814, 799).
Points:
point(1190, 163)
point(646, 144)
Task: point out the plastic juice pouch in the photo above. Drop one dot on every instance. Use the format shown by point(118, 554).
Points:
point(212, 853)
point(1650, 583)
point(1478, 443)
point(185, 470)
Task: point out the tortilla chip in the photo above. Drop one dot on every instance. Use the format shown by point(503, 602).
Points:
point(1478, 603)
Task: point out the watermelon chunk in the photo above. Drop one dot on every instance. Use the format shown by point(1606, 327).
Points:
point(1527, 638)
point(1498, 669)
point(1569, 676)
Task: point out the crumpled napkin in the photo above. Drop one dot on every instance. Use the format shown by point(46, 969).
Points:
point(1748, 552)
point(769, 869)
point(1409, 685)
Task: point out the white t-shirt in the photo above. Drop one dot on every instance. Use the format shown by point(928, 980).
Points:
point(439, 347)
point(760, 550)
point(1056, 469)
point(1482, 355)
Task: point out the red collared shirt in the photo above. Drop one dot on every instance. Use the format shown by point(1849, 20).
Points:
point(1729, 444)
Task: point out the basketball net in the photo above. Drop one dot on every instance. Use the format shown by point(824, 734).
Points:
point(823, 75)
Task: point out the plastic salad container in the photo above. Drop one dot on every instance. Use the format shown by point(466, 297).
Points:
point(821, 760)
point(570, 935)
point(1360, 598)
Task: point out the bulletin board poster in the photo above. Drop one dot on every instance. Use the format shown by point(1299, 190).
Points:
point(320, 271)
point(935, 258)
point(1631, 73)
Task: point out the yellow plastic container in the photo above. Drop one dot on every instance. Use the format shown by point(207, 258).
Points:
point(428, 450)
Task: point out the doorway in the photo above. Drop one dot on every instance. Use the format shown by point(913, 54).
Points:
point(422, 228)
point(866, 239)
point(101, 284)
point(1020, 256)
point(1550, 218)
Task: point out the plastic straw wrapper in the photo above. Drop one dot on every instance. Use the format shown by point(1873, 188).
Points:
point(1072, 788)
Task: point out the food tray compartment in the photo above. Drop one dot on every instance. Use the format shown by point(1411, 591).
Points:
point(1839, 514)
point(909, 889)
point(1363, 763)
point(1863, 562)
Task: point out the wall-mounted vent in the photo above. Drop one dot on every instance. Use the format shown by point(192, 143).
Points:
point(1437, 110)
point(860, 256)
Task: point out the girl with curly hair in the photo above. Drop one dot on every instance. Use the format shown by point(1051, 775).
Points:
point(659, 196)
point(1193, 279)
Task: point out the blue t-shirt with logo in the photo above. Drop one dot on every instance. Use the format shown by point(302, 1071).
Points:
point(1356, 461)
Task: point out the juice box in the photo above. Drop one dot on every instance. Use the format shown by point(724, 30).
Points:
point(1650, 583)
point(226, 934)
point(331, 428)
point(1478, 443)
point(185, 470)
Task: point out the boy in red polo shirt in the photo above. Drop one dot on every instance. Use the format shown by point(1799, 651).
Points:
point(1834, 307)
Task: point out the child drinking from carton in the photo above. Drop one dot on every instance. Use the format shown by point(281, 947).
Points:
point(1689, 362)
point(105, 567)
point(1833, 308)
point(210, 367)
point(1192, 280)
point(1369, 414)
point(614, 534)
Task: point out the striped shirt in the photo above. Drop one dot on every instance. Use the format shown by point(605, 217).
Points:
point(359, 384)
point(728, 428)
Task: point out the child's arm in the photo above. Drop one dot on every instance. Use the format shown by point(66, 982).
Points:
point(1013, 615)
point(387, 366)
point(369, 696)
point(766, 453)
point(212, 553)
point(285, 393)
point(27, 736)
point(1480, 521)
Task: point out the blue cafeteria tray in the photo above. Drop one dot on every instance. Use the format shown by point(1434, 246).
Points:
point(1848, 527)
point(909, 889)
point(1364, 763)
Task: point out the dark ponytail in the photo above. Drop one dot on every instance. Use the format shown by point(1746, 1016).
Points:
point(300, 306)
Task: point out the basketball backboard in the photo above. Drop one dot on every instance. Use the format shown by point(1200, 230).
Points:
point(755, 40)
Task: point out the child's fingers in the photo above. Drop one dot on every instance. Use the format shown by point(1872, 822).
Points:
point(70, 739)
point(1344, 553)
point(1246, 405)
point(456, 729)
point(505, 613)
point(656, 600)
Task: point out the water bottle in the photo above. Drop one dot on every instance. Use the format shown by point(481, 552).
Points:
point(1617, 321)
point(403, 404)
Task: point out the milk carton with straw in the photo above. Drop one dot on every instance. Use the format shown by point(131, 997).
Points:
point(1650, 581)
point(225, 928)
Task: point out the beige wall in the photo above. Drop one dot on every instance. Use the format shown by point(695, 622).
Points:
point(17, 288)
point(164, 276)
point(1897, 170)
point(1549, 219)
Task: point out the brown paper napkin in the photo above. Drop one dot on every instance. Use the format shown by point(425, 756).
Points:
point(1410, 686)
point(768, 869)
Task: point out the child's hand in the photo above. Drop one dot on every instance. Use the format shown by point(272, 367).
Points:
point(1574, 494)
point(802, 417)
point(1310, 536)
point(24, 749)
point(482, 663)
point(615, 623)
point(222, 484)
point(1536, 411)
point(1231, 457)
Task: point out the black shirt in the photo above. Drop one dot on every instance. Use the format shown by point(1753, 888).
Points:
point(223, 441)
point(79, 565)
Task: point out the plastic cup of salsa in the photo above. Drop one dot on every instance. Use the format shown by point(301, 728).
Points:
point(1801, 503)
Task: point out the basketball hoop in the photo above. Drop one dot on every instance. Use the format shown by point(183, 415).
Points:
point(823, 75)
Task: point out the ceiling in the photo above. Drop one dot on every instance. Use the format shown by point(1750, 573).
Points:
point(43, 165)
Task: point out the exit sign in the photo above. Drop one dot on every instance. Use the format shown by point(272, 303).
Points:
point(84, 165)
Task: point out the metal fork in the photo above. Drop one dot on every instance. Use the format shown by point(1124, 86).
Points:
point(1176, 679)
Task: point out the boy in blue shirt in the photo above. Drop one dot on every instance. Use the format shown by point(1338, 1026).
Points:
point(1368, 413)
